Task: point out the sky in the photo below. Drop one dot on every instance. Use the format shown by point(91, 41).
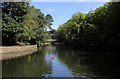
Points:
point(63, 11)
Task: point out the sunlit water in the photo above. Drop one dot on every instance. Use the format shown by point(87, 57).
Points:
point(66, 62)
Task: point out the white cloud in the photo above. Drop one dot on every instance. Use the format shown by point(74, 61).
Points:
point(51, 10)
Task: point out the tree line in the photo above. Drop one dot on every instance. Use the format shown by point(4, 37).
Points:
point(24, 24)
point(98, 28)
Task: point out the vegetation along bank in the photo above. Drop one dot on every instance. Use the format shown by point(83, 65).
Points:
point(23, 24)
point(97, 29)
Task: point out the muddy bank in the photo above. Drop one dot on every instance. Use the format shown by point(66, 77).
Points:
point(8, 52)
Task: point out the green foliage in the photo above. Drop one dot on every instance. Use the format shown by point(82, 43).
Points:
point(99, 27)
point(23, 23)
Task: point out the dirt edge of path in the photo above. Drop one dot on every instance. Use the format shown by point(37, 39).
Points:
point(9, 52)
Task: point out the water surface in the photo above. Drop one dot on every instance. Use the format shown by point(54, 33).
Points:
point(67, 62)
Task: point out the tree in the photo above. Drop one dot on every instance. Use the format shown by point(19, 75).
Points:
point(23, 23)
point(12, 16)
point(98, 27)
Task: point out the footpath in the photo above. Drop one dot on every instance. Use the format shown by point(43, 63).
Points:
point(9, 52)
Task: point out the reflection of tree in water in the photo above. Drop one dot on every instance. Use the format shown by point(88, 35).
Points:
point(80, 63)
point(50, 49)
point(29, 66)
point(74, 62)
point(104, 65)
point(84, 63)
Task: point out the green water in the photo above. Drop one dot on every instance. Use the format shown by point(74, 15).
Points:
point(67, 62)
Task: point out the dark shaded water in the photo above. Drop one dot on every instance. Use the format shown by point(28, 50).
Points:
point(67, 62)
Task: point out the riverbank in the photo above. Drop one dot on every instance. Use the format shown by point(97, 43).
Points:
point(8, 52)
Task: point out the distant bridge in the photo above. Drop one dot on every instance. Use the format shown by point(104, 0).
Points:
point(51, 40)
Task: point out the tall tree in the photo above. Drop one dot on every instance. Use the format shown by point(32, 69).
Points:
point(23, 23)
point(12, 16)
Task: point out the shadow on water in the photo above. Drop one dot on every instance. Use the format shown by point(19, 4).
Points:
point(28, 66)
point(67, 62)
point(103, 65)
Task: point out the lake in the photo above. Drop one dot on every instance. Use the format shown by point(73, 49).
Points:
point(60, 61)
